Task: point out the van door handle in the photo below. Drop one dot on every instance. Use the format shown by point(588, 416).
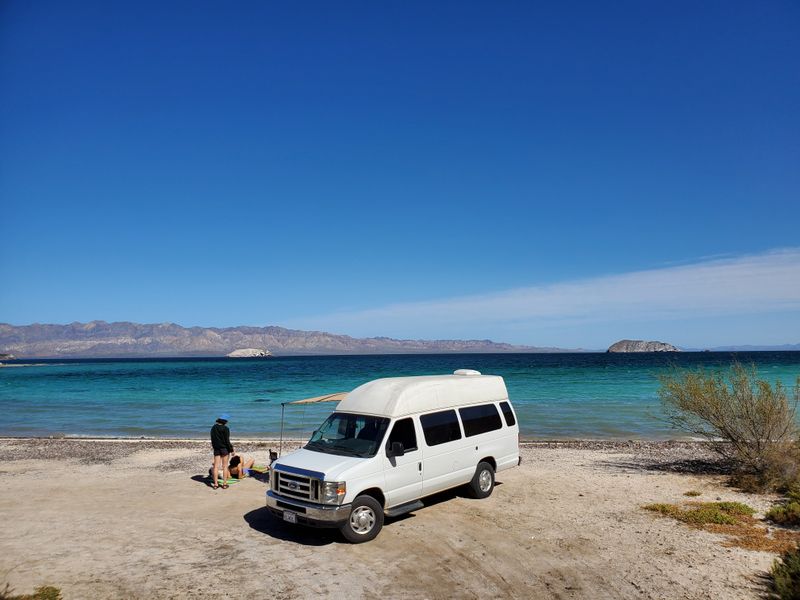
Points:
point(420, 466)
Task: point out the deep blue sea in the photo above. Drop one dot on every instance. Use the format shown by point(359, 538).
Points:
point(557, 396)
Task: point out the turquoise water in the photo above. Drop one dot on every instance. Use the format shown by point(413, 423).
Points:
point(557, 396)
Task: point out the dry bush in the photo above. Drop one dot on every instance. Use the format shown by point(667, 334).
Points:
point(748, 421)
point(45, 592)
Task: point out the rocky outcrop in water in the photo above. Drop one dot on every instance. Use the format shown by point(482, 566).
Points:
point(641, 346)
point(249, 353)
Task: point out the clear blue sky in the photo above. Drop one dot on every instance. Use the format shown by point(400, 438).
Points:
point(259, 163)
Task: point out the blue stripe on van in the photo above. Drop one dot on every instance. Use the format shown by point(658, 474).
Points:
point(296, 471)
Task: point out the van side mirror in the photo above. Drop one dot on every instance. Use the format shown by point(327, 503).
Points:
point(396, 449)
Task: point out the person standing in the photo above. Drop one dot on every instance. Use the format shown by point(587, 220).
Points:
point(221, 444)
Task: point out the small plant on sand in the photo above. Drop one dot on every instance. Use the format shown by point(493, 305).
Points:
point(787, 513)
point(692, 493)
point(786, 575)
point(748, 421)
point(732, 519)
point(704, 513)
point(46, 592)
point(733, 508)
point(668, 510)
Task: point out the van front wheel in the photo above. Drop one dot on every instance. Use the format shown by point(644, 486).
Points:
point(482, 482)
point(365, 520)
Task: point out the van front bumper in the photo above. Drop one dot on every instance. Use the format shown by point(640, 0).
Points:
point(316, 515)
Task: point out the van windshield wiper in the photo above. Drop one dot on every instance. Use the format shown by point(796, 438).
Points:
point(344, 449)
point(327, 447)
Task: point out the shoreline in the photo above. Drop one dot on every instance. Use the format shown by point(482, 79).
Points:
point(678, 456)
point(275, 438)
point(529, 442)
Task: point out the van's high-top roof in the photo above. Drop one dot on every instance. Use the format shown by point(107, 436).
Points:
point(400, 396)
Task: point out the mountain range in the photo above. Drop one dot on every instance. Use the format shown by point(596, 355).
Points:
point(99, 339)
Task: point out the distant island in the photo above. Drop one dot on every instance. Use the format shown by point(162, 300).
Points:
point(99, 339)
point(641, 346)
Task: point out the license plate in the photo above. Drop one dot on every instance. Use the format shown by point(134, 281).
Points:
point(289, 516)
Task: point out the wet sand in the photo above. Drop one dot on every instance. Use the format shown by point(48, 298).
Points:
point(135, 519)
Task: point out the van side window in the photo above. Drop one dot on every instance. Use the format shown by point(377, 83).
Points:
point(508, 414)
point(480, 419)
point(440, 427)
point(403, 432)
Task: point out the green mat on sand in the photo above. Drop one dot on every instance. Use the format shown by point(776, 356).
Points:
point(230, 481)
point(259, 468)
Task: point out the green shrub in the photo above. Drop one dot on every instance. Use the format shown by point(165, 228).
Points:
point(706, 515)
point(668, 510)
point(692, 493)
point(785, 514)
point(747, 421)
point(786, 575)
point(734, 508)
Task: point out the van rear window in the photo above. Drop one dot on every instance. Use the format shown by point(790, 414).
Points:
point(440, 427)
point(508, 414)
point(480, 419)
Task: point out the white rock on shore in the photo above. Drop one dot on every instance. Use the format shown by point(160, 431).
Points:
point(249, 353)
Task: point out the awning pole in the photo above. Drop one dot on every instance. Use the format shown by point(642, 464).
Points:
point(280, 443)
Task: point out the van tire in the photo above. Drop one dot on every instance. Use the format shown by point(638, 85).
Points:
point(482, 482)
point(365, 520)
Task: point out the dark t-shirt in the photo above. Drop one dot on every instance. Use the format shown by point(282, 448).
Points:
point(221, 437)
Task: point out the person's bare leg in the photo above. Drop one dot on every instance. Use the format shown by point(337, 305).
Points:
point(248, 464)
point(226, 474)
point(215, 471)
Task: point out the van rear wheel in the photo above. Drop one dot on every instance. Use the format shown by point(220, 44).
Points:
point(482, 482)
point(365, 520)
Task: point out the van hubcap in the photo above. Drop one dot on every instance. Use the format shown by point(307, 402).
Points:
point(362, 519)
point(485, 481)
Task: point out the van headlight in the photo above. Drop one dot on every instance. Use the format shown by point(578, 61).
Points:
point(333, 492)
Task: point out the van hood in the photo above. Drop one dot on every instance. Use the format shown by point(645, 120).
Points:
point(329, 467)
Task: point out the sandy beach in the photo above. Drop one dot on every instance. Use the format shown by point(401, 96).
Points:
point(134, 519)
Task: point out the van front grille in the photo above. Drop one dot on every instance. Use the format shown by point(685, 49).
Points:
point(295, 486)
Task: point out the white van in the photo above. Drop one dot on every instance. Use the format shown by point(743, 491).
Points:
point(393, 441)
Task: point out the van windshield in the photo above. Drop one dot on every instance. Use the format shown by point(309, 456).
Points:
point(349, 435)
